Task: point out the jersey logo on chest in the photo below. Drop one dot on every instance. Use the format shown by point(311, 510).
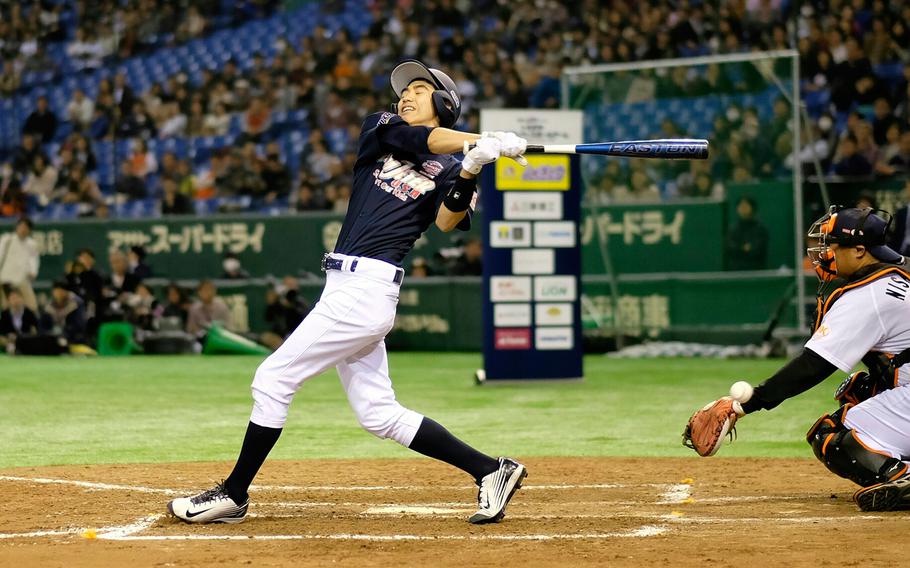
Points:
point(401, 179)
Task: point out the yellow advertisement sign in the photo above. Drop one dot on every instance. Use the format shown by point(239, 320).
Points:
point(544, 172)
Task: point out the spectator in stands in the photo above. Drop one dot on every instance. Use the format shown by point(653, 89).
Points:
point(192, 26)
point(170, 167)
point(123, 94)
point(19, 262)
point(10, 79)
point(136, 123)
point(276, 176)
point(131, 186)
point(88, 283)
point(284, 311)
point(41, 181)
point(218, 121)
point(16, 320)
point(102, 121)
point(173, 122)
point(85, 50)
point(232, 268)
point(882, 120)
point(307, 198)
point(80, 110)
point(176, 304)
point(208, 309)
point(747, 241)
point(141, 160)
point(641, 190)
point(469, 263)
point(140, 307)
point(64, 314)
point(42, 122)
point(256, 120)
point(195, 121)
point(83, 190)
point(899, 239)
point(900, 161)
point(419, 268)
point(82, 150)
point(24, 154)
point(173, 202)
point(321, 163)
point(121, 279)
point(848, 161)
point(136, 260)
point(12, 198)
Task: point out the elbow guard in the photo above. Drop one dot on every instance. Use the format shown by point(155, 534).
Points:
point(459, 197)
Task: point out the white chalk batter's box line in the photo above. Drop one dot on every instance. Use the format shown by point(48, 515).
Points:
point(672, 493)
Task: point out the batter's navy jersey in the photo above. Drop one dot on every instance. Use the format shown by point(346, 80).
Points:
point(398, 188)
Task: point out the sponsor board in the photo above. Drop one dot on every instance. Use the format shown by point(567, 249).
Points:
point(510, 288)
point(553, 338)
point(555, 288)
point(543, 126)
point(543, 172)
point(506, 234)
point(533, 261)
point(512, 338)
point(555, 234)
point(553, 314)
point(532, 205)
point(512, 315)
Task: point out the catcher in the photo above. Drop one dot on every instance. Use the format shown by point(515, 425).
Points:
point(863, 315)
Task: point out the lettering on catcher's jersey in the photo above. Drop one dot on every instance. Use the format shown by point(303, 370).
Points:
point(897, 288)
point(401, 179)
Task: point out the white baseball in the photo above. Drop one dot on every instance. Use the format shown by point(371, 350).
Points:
point(741, 391)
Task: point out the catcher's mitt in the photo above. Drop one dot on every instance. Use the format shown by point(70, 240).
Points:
point(708, 427)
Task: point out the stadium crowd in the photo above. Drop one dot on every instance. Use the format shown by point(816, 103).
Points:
point(852, 56)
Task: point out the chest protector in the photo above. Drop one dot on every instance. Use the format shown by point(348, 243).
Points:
point(881, 364)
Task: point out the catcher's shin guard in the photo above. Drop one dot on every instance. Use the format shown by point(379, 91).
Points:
point(843, 454)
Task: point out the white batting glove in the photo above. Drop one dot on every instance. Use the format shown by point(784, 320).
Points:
point(485, 151)
point(513, 146)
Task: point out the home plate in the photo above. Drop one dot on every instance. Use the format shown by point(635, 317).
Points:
point(412, 510)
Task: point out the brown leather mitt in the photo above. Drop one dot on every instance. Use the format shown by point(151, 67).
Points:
point(709, 426)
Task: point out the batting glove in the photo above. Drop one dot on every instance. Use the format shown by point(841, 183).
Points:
point(513, 146)
point(485, 151)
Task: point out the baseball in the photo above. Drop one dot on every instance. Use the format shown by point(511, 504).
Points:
point(741, 391)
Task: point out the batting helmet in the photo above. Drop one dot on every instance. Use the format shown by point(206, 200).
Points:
point(446, 101)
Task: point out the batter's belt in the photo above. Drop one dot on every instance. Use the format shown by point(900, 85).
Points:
point(361, 265)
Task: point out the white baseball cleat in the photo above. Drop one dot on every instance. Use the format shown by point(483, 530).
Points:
point(496, 489)
point(212, 506)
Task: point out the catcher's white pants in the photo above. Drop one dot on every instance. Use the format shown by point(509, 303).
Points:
point(883, 422)
point(345, 329)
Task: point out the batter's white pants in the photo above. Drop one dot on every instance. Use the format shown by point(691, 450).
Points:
point(882, 422)
point(345, 329)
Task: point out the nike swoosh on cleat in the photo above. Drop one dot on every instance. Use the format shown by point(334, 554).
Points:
point(191, 515)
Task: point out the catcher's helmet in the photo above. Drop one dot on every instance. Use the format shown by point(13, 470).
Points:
point(851, 227)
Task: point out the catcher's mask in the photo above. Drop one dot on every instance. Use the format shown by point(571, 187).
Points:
point(849, 227)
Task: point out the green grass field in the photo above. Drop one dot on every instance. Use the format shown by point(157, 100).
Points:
point(166, 409)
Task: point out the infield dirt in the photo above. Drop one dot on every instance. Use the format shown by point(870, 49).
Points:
point(571, 512)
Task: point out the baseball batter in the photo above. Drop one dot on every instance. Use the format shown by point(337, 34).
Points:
point(405, 179)
point(863, 316)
